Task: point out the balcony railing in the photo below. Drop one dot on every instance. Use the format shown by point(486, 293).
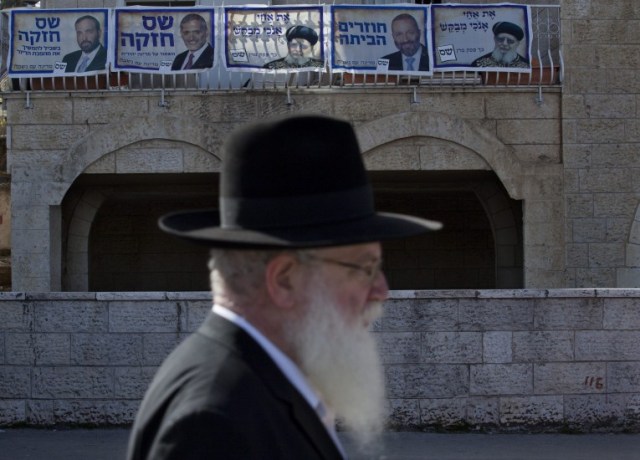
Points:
point(547, 70)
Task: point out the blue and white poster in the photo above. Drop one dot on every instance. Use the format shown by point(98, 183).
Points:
point(482, 37)
point(58, 42)
point(382, 39)
point(164, 40)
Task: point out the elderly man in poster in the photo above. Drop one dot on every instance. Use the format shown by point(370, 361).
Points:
point(507, 37)
point(300, 43)
point(199, 53)
point(411, 54)
point(91, 55)
point(297, 281)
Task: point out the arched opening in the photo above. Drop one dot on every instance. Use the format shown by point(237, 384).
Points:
point(480, 246)
point(123, 249)
point(112, 242)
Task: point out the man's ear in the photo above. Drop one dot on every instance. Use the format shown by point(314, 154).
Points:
point(282, 277)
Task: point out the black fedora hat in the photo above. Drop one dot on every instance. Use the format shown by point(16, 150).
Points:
point(293, 182)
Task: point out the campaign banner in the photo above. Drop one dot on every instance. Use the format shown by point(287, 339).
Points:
point(381, 39)
point(163, 40)
point(58, 42)
point(274, 39)
point(482, 37)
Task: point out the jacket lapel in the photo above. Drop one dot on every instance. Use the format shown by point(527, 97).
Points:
point(303, 415)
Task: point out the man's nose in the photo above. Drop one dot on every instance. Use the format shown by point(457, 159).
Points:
point(379, 288)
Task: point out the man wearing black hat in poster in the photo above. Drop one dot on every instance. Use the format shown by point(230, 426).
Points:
point(507, 37)
point(297, 281)
point(300, 43)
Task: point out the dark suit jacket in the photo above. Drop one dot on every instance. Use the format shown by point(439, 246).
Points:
point(395, 60)
point(219, 395)
point(98, 62)
point(205, 60)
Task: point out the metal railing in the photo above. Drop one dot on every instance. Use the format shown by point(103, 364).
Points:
point(547, 70)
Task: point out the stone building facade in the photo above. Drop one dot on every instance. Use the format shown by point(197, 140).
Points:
point(537, 185)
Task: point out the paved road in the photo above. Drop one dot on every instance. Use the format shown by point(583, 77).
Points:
point(110, 444)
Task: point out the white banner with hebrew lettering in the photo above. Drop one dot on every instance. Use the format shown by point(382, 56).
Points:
point(383, 39)
point(482, 37)
point(274, 39)
point(165, 40)
point(58, 42)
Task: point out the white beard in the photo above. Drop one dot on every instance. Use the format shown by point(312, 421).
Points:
point(298, 61)
point(342, 363)
point(504, 58)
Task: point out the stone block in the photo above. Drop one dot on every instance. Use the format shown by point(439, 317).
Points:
point(531, 411)
point(12, 412)
point(569, 378)
point(146, 316)
point(104, 110)
point(427, 381)
point(520, 131)
point(451, 347)
point(624, 377)
point(121, 412)
point(592, 412)
point(132, 382)
point(133, 161)
point(403, 413)
point(420, 315)
point(577, 255)
point(580, 205)
point(103, 165)
point(536, 346)
point(483, 411)
point(197, 311)
point(396, 155)
point(15, 382)
point(197, 160)
point(628, 277)
point(39, 412)
point(80, 412)
point(45, 137)
point(106, 349)
point(399, 347)
point(55, 109)
point(436, 155)
point(568, 314)
point(501, 379)
point(502, 314)
point(72, 316)
point(16, 316)
point(37, 349)
point(589, 230)
point(595, 277)
point(605, 255)
point(607, 345)
point(443, 413)
point(522, 105)
point(156, 347)
point(72, 382)
point(621, 313)
point(610, 105)
point(497, 347)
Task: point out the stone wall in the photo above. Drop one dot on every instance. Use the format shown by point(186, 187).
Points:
point(601, 133)
point(60, 138)
point(495, 360)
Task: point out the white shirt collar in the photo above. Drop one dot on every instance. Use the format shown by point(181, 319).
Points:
point(288, 367)
point(196, 54)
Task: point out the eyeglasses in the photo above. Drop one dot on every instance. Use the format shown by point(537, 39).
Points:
point(371, 271)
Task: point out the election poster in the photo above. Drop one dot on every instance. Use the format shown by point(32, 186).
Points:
point(164, 40)
point(482, 37)
point(58, 42)
point(381, 39)
point(274, 39)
